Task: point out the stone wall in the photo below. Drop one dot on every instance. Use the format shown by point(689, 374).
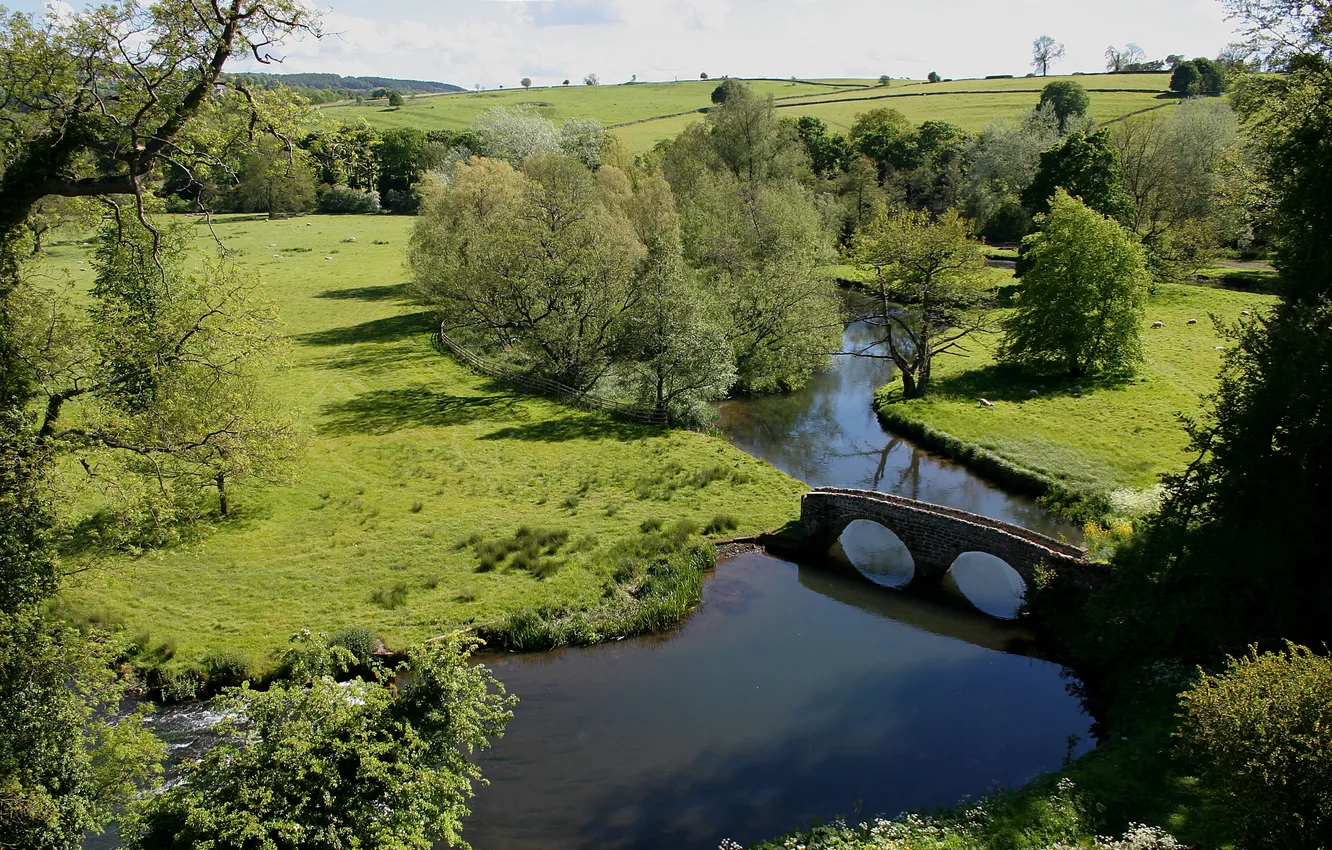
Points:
point(936, 535)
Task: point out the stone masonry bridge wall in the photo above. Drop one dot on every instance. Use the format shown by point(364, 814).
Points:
point(936, 535)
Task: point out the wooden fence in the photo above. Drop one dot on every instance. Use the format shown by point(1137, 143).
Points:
point(545, 386)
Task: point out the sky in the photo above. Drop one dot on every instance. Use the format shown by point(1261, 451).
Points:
point(495, 43)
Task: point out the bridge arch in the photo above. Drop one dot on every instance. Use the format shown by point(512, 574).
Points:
point(937, 535)
point(877, 553)
point(988, 582)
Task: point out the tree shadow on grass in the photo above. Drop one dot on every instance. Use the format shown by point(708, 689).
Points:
point(576, 426)
point(1008, 382)
point(385, 411)
point(377, 330)
point(396, 292)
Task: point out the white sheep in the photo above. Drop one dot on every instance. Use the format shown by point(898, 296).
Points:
point(985, 402)
point(1192, 322)
point(1158, 324)
point(1245, 313)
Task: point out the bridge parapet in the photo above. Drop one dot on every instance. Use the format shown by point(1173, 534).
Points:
point(936, 535)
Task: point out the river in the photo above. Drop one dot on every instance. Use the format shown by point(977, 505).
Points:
point(793, 694)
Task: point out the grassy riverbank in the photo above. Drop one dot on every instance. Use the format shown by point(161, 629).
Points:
point(418, 474)
point(1112, 440)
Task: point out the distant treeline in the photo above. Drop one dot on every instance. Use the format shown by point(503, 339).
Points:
point(326, 88)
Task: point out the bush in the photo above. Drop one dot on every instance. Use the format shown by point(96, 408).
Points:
point(721, 523)
point(224, 669)
point(357, 640)
point(342, 200)
point(1261, 733)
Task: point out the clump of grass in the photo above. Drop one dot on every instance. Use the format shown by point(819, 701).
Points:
point(707, 475)
point(571, 502)
point(224, 669)
point(613, 508)
point(467, 594)
point(393, 597)
point(380, 242)
point(431, 583)
point(297, 250)
point(682, 529)
point(531, 550)
point(416, 507)
point(358, 640)
point(721, 523)
point(652, 523)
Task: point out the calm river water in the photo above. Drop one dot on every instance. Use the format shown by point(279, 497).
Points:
point(793, 694)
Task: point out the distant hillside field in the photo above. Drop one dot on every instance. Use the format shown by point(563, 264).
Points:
point(645, 113)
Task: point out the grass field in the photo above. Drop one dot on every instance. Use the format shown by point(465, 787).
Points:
point(971, 104)
point(411, 455)
point(1112, 438)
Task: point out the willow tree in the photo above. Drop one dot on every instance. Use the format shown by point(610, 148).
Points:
point(928, 290)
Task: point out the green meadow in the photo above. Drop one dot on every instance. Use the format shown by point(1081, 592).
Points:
point(1114, 437)
point(971, 104)
point(415, 465)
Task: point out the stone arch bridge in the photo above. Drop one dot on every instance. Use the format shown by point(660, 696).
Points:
point(936, 535)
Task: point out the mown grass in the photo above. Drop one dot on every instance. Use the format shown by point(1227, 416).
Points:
point(971, 104)
point(411, 453)
point(1115, 437)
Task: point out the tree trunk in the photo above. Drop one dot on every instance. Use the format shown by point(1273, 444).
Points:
point(909, 389)
point(223, 507)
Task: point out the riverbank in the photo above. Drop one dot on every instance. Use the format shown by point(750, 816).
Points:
point(422, 489)
point(1094, 448)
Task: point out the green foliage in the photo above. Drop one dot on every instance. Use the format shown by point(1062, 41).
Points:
point(275, 178)
point(1067, 99)
point(395, 99)
point(1086, 167)
point(1260, 735)
point(934, 270)
point(1200, 76)
point(65, 765)
point(1083, 296)
point(312, 762)
point(343, 200)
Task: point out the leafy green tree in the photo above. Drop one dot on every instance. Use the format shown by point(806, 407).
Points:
point(526, 82)
point(881, 134)
point(928, 290)
point(1184, 172)
point(726, 89)
point(1001, 163)
point(1184, 79)
point(1083, 294)
point(591, 80)
point(275, 178)
point(544, 259)
point(313, 763)
point(395, 99)
point(1045, 51)
point(63, 136)
point(885, 80)
point(825, 151)
point(346, 155)
point(1086, 166)
point(745, 134)
point(934, 77)
point(1067, 99)
point(1198, 77)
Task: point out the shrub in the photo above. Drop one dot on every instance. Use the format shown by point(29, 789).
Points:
point(357, 640)
point(571, 502)
point(721, 523)
point(338, 200)
point(394, 597)
point(223, 669)
point(416, 507)
point(652, 523)
point(1261, 733)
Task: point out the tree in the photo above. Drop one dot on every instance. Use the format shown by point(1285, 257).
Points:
point(591, 80)
point(54, 213)
point(1183, 172)
point(1087, 167)
point(515, 134)
point(1067, 99)
point(885, 80)
point(1083, 294)
point(703, 76)
point(749, 140)
point(1173, 60)
point(311, 762)
point(275, 178)
point(825, 152)
point(542, 260)
point(934, 77)
point(928, 290)
point(1001, 163)
point(526, 82)
point(1198, 77)
point(395, 99)
point(62, 772)
point(1044, 52)
point(726, 89)
point(1128, 59)
point(566, 82)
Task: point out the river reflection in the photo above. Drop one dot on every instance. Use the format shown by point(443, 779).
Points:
point(792, 694)
point(827, 435)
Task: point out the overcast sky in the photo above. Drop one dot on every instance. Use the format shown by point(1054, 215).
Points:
point(497, 42)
